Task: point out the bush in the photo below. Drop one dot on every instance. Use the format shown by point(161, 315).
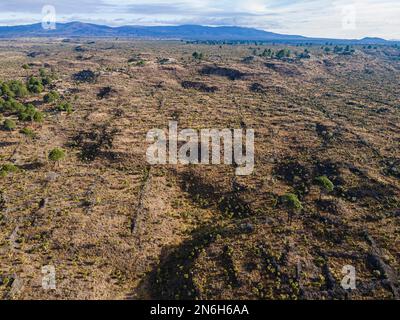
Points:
point(338, 49)
point(348, 51)
point(140, 63)
point(51, 97)
point(38, 116)
point(18, 88)
point(35, 85)
point(42, 72)
point(267, 53)
point(9, 125)
point(5, 91)
point(292, 205)
point(292, 202)
point(304, 55)
point(85, 76)
point(30, 113)
point(7, 168)
point(325, 184)
point(28, 132)
point(197, 55)
point(65, 107)
point(46, 78)
point(284, 53)
point(13, 106)
point(56, 155)
point(27, 113)
point(46, 81)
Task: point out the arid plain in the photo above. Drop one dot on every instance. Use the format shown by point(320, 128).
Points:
point(115, 227)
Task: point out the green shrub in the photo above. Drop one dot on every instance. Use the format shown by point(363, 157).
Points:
point(47, 80)
point(35, 85)
point(27, 113)
point(30, 113)
point(292, 205)
point(338, 49)
point(325, 183)
point(197, 55)
point(38, 116)
point(9, 125)
point(5, 91)
point(304, 55)
point(65, 107)
point(292, 202)
point(56, 155)
point(7, 168)
point(13, 106)
point(284, 53)
point(42, 72)
point(28, 132)
point(2, 102)
point(18, 88)
point(267, 53)
point(51, 97)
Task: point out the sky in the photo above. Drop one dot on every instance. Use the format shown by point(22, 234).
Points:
point(315, 18)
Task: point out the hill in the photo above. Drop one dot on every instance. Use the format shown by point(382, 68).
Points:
point(183, 32)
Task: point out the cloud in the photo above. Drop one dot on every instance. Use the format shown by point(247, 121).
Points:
point(62, 6)
point(319, 18)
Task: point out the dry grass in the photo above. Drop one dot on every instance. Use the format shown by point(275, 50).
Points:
point(330, 115)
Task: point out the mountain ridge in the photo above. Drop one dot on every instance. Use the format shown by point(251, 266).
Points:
point(180, 32)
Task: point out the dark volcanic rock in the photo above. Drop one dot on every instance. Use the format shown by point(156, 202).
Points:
point(199, 86)
point(257, 87)
point(283, 69)
point(85, 76)
point(105, 92)
point(231, 74)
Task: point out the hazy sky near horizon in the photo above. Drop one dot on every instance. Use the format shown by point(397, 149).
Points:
point(317, 18)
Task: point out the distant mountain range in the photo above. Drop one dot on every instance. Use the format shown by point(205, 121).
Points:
point(184, 32)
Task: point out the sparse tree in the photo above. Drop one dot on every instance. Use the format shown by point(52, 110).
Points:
point(292, 204)
point(326, 186)
point(338, 49)
point(56, 155)
point(197, 55)
point(26, 68)
point(284, 53)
